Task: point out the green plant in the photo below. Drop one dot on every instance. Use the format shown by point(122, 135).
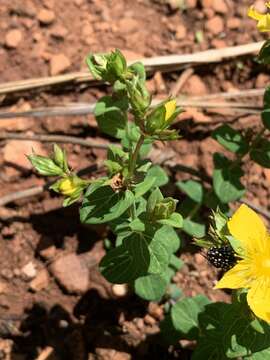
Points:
point(145, 224)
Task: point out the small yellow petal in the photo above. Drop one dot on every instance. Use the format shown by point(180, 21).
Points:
point(254, 14)
point(236, 278)
point(247, 227)
point(170, 107)
point(258, 299)
point(264, 23)
point(67, 187)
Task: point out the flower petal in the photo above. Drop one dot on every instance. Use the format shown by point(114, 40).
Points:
point(254, 14)
point(258, 299)
point(247, 227)
point(264, 23)
point(170, 107)
point(237, 277)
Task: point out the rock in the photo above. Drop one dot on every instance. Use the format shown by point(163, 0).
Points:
point(132, 55)
point(46, 17)
point(174, 4)
point(155, 310)
point(207, 3)
point(195, 86)
point(3, 287)
point(149, 320)
point(15, 152)
point(111, 354)
point(58, 64)
point(233, 23)
point(220, 6)
point(215, 25)
point(218, 43)
point(127, 25)
point(29, 271)
point(191, 4)
point(41, 281)
point(13, 38)
point(259, 5)
point(71, 273)
point(181, 32)
point(48, 253)
point(261, 81)
point(267, 174)
point(120, 290)
point(87, 30)
point(18, 123)
point(59, 32)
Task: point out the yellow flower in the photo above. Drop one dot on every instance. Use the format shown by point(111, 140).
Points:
point(252, 270)
point(263, 19)
point(67, 186)
point(170, 107)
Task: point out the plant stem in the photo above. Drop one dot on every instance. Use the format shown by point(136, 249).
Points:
point(132, 167)
point(134, 156)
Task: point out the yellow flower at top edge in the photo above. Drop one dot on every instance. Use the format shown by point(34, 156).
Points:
point(67, 187)
point(170, 107)
point(263, 19)
point(252, 270)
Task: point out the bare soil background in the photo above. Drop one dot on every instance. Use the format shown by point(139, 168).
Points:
point(51, 293)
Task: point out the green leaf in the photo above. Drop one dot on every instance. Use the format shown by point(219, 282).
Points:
point(193, 189)
point(169, 238)
point(231, 139)
point(159, 252)
point(154, 197)
point(118, 266)
point(261, 153)
point(101, 204)
point(266, 98)
point(151, 287)
point(110, 117)
point(261, 355)
point(176, 263)
point(160, 175)
point(264, 54)
point(185, 314)
point(142, 188)
point(226, 180)
point(175, 220)
point(140, 254)
point(138, 69)
point(227, 332)
point(266, 117)
point(194, 228)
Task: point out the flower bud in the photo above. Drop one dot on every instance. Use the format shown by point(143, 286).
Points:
point(139, 97)
point(164, 209)
point(45, 166)
point(67, 186)
point(60, 158)
point(98, 65)
point(117, 65)
point(161, 117)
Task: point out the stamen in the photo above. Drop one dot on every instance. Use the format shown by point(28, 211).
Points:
point(267, 4)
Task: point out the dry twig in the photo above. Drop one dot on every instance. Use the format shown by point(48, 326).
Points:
point(55, 138)
point(86, 109)
point(45, 354)
point(161, 63)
